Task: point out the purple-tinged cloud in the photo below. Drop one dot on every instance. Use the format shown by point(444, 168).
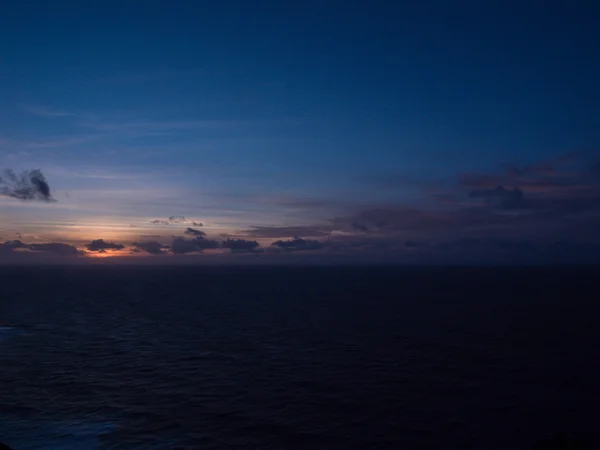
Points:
point(30, 185)
point(9, 246)
point(595, 170)
point(282, 232)
point(100, 245)
point(500, 197)
point(415, 244)
point(240, 245)
point(180, 245)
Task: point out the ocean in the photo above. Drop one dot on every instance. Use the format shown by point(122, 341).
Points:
point(298, 357)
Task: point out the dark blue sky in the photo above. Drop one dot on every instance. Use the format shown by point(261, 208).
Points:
point(273, 114)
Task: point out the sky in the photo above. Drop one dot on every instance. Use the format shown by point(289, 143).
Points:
point(434, 132)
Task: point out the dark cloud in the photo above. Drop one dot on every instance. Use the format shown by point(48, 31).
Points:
point(177, 220)
point(9, 246)
point(151, 236)
point(596, 170)
point(415, 244)
point(56, 248)
point(100, 245)
point(181, 245)
point(282, 232)
point(565, 172)
point(500, 197)
point(392, 220)
point(240, 245)
point(298, 244)
point(193, 232)
point(30, 185)
point(152, 247)
point(359, 226)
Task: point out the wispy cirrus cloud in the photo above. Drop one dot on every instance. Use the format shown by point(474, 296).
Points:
point(45, 111)
point(177, 220)
point(47, 142)
point(155, 125)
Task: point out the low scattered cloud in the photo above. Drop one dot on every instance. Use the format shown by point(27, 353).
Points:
point(55, 248)
point(240, 245)
point(29, 185)
point(543, 211)
point(181, 245)
point(151, 247)
point(9, 246)
point(100, 245)
point(193, 232)
point(298, 244)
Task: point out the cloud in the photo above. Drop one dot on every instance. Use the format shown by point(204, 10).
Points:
point(20, 252)
point(392, 220)
point(298, 244)
point(500, 197)
point(240, 245)
point(194, 232)
point(99, 245)
point(414, 244)
point(44, 111)
point(181, 245)
point(282, 232)
point(152, 247)
point(9, 246)
point(177, 220)
point(30, 185)
point(57, 248)
point(595, 170)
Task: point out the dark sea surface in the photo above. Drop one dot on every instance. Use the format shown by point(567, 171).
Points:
point(298, 358)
